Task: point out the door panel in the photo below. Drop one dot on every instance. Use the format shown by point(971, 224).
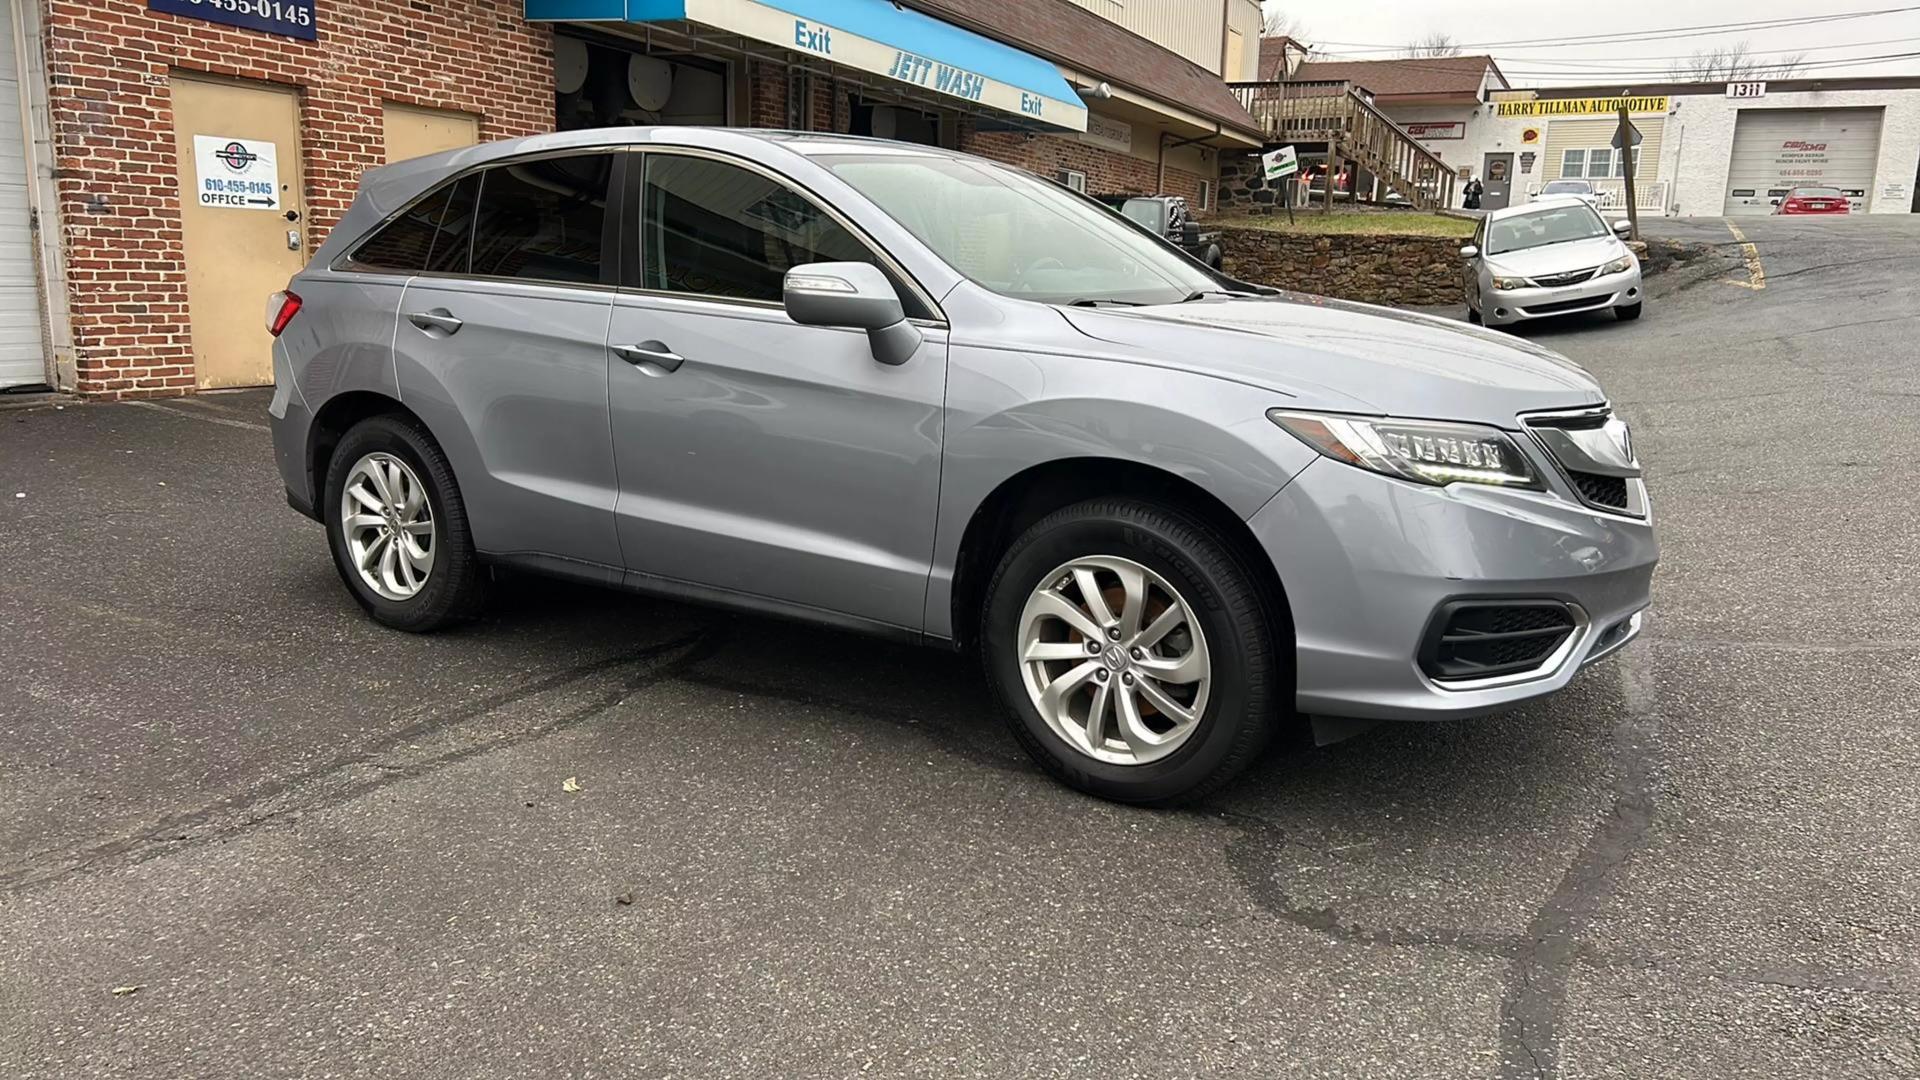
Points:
point(23, 359)
point(411, 131)
point(778, 460)
point(512, 378)
point(1498, 182)
point(244, 242)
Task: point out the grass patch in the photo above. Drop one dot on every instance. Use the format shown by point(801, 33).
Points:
point(1368, 223)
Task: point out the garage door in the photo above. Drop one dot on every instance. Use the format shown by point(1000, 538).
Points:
point(22, 361)
point(1776, 149)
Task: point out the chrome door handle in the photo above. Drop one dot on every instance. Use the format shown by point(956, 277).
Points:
point(650, 354)
point(434, 320)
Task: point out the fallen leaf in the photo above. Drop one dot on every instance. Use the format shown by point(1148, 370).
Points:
point(571, 783)
point(123, 991)
point(624, 898)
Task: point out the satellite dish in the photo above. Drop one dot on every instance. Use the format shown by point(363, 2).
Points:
point(569, 64)
point(649, 82)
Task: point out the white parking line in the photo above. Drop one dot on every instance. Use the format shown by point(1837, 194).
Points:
point(1756, 274)
point(195, 416)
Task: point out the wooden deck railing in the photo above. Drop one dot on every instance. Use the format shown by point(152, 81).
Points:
point(1344, 117)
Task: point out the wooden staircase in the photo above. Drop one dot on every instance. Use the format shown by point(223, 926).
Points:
point(1343, 116)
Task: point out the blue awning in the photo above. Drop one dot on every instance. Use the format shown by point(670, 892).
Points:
point(874, 36)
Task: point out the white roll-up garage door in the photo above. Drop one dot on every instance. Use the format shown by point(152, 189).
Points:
point(1777, 149)
point(22, 357)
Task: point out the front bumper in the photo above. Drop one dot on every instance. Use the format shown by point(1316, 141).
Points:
point(1502, 307)
point(1366, 561)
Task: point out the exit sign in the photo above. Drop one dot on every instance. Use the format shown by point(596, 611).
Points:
point(1746, 89)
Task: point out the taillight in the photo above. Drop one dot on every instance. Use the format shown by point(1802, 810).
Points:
point(281, 308)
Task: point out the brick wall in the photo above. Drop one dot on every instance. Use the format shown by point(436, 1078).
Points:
point(1108, 172)
point(108, 68)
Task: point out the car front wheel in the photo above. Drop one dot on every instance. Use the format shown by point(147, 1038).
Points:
point(1134, 651)
point(398, 528)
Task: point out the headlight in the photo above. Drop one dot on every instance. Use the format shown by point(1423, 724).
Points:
point(1505, 283)
point(1618, 266)
point(1424, 451)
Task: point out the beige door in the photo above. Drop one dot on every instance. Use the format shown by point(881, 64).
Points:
point(241, 217)
point(413, 131)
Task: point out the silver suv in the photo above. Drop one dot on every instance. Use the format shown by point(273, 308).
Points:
point(915, 393)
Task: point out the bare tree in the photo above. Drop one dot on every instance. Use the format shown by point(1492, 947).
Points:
point(1435, 44)
point(1732, 63)
point(1277, 23)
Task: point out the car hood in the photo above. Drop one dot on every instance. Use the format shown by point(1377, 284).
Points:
point(1558, 258)
point(1333, 354)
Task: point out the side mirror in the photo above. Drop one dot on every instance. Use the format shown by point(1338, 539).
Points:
point(1469, 252)
point(1622, 227)
point(855, 295)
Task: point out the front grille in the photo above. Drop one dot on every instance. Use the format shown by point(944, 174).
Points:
point(1610, 491)
point(1479, 639)
point(1575, 277)
point(1557, 306)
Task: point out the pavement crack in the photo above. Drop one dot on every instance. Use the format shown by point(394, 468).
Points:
point(1252, 856)
point(346, 778)
point(1536, 981)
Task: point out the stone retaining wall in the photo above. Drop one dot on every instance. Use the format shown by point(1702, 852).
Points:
point(1404, 271)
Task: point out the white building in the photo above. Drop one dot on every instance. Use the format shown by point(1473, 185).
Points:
point(1705, 149)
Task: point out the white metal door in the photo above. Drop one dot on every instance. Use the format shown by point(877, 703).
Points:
point(23, 358)
point(1778, 149)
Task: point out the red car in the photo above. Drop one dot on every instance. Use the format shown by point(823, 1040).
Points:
point(1814, 200)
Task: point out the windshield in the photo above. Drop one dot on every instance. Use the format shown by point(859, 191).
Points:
point(1538, 228)
point(1020, 236)
point(1566, 187)
point(1816, 193)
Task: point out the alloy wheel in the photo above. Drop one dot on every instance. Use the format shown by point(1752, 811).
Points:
point(388, 525)
point(1114, 660)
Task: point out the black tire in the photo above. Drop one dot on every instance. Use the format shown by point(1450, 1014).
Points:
point(1214, 257)
point(1628, 313)
point(1252, 675)
point(456, 586)
point(1473, 315)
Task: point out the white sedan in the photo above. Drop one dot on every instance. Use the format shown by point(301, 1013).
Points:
point(1551, 258)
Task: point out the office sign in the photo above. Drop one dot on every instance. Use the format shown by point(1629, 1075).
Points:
point(1438, 129)
point(236, 174)
point(287, 18)
point(1594, 106)
point(1280, 163)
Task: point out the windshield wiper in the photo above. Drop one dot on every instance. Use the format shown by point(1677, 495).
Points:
point(1202, 294)
point(1096, 301)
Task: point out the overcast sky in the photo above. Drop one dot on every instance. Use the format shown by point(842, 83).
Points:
point(1372, 29)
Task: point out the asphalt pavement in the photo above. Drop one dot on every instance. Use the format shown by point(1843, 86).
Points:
point(245, 832)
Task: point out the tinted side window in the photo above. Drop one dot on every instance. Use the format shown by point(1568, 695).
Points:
point(454, 238)
point(544, 220)
point(714, 229)
point(406, 242)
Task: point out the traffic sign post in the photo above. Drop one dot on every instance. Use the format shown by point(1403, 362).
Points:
point(1277, 166)
point(1625, 138)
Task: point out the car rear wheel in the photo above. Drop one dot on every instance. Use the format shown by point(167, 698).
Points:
point(398, 528)
point(1134, 651)
point(1628, 313)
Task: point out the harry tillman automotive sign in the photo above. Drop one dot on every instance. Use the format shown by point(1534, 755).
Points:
point(1593, 106)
